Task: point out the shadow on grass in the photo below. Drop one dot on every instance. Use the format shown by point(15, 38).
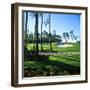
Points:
point(48, 67)
point(70, 68)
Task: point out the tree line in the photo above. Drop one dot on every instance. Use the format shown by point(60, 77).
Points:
point(43, 36)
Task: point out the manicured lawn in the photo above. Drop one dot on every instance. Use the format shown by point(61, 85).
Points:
point(51, 65)
point(75, 48)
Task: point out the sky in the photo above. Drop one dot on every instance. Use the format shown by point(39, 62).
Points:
point(59, 22)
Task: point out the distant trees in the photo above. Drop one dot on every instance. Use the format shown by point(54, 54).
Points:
point(69, 36)
point(55, 37)
point(73, 36)
point(45, 37)
point(66, 36)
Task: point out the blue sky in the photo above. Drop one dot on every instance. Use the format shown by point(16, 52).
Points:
point(59, 22)
point(65, 23)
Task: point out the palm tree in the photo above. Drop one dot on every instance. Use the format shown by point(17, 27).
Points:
point(66, 36)
point(50, 32)
point(48, 22)
point(36, 33)
point(71, 34)
point(75, 37)
point(41, 30)
point(32, 15)
point(26, 27)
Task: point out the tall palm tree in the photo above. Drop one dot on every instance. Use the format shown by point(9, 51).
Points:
point(66, 36)
point(48, 22)
point(41, 30)
point(26, 27)
point(32, 15)
point(71, 34)
point(50, 32)
point(36, 33)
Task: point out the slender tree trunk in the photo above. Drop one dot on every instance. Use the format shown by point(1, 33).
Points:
point(41, 31)
point(36, 31)
point(26, 27)
point(50, 33)
point(34, 40)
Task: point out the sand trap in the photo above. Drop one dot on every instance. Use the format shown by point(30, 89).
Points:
point(65, 45)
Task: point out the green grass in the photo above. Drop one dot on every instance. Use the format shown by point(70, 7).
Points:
point(55, 65)
point(51, 65)
point(75, 48)
point(71, 60)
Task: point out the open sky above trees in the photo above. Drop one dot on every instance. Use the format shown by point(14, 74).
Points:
point(59, 22)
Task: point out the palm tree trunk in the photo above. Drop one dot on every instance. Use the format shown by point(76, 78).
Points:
point(26, 27)
point(34, 40)
point(50, 33)
point(41, 31)
point(36, 35)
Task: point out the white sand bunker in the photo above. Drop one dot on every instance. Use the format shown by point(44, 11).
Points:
point(65, 45)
